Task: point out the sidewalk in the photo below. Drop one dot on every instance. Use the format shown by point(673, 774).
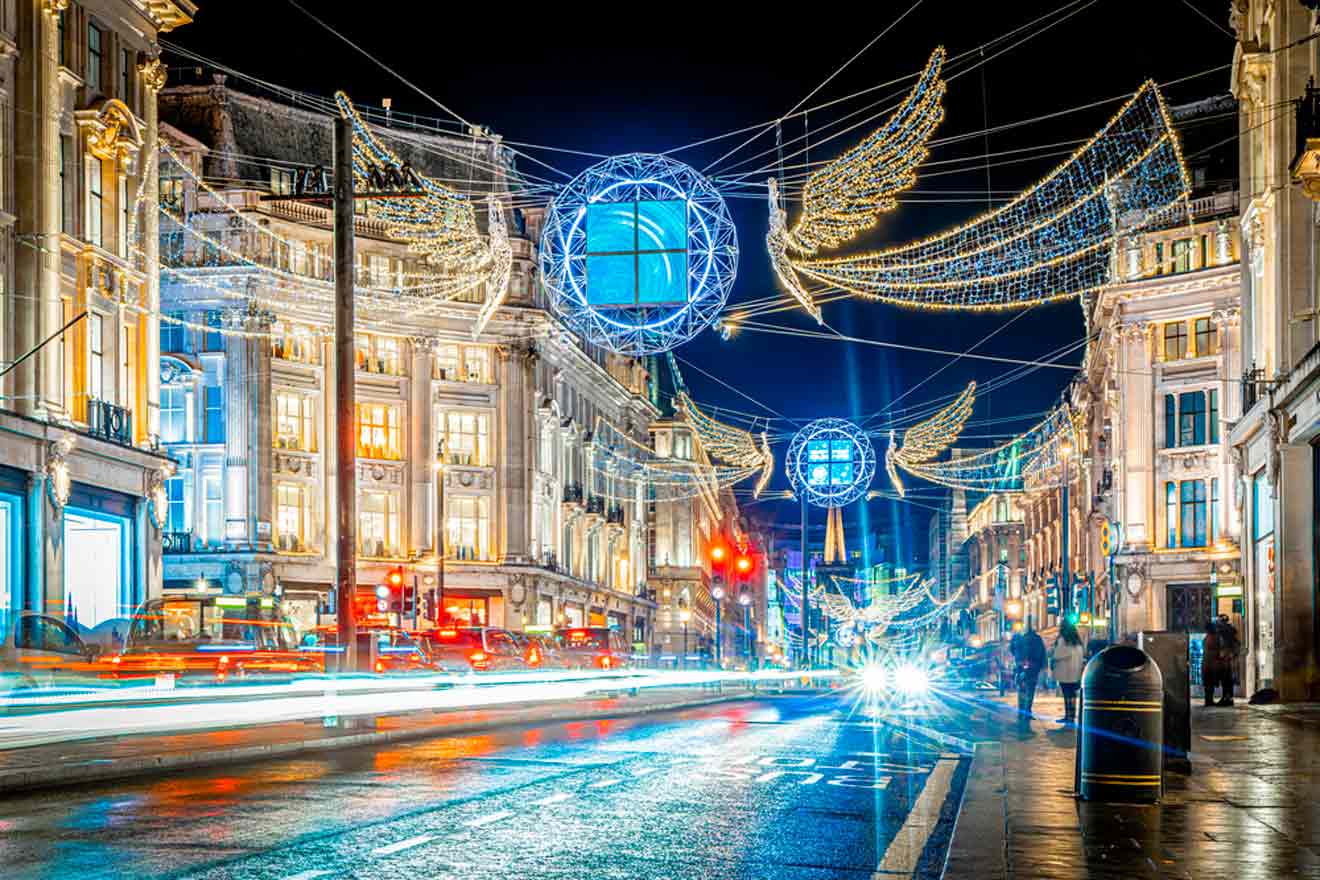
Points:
point(1249, 809)
point(72, 763)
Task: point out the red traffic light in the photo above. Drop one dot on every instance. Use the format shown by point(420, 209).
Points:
point(395, 577)
point(744, 564)
point(717, 553)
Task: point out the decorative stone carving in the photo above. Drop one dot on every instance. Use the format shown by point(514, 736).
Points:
point(58, 481)
point(113, 133)
point(54, 7)
point(1239, 476)
point(151, 72)
point(158, 501)
point(1278, 428)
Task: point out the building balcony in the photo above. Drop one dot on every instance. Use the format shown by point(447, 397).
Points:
point(176, 542)
point(573, 493)
point(110, 422)
point(614, 516)
point(596, 505)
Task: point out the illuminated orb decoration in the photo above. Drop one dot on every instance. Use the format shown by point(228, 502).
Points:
point(639, 253)
point(832, 461)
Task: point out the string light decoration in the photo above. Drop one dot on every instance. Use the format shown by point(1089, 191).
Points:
point(638, 253)
point(923, 441)
point(623, 469)
point(847, 196)
point(1053, 241)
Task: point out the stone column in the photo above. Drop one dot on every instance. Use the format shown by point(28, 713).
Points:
point(516, 402)
point(240, 429)
point(151, 73)
point(422, 445)
point(1295, 673)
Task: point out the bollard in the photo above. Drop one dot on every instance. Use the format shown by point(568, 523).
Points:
point(1120, 748)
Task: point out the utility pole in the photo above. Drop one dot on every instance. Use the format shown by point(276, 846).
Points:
point(345, 394)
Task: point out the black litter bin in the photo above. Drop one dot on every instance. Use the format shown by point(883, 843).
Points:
point(1121, 748)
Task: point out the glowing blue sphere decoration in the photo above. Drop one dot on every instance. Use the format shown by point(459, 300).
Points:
point(638, 253)
point(832, 462)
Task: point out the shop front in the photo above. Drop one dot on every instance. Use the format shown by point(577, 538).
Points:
point(100, 537)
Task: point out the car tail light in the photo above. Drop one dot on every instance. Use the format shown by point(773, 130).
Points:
point(477, 656)
point(380, 666)
point(605, 660)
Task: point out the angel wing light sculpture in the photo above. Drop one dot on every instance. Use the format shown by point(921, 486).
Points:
point(441, 226)
point(733, 446)
point(847, 196)
point(926, 440)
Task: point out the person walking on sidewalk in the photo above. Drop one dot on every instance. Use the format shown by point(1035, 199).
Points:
point(1229, 646)
point(1029, 656)
point(1066, 661)
point(1212, 662)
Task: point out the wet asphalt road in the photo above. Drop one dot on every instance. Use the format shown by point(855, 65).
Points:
point(781, 787)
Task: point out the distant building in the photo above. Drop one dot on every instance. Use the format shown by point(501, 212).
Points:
point(996, 564)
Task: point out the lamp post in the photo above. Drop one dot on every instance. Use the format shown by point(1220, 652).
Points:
point(440, 530)
point(717, 593)
point(685, 615)
point(1065, 452)
point(745, 600)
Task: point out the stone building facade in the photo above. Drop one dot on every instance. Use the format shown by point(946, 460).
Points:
point(995, 564)
point(80, 470)
point(502, 426)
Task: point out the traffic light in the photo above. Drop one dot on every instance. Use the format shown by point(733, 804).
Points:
point(393, 587)
point(718, 553)
point(744, 564)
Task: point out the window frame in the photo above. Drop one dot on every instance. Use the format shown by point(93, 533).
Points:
point(1180, 340)
point(95, 56)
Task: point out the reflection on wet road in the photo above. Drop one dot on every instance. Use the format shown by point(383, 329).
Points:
point(787, 787)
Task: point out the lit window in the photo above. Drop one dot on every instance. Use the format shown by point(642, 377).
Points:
point(214, 390)
point(125, 218)
point(214, 499)
point(281, 182)
point(469, 527)
point(446, 362)
point(378, 431)
point(173, 413)
point(294, 342)
point(1175, 340)
point(1214, 510)
point(291, 516)
point(378, 524)
point(1182, 255)
point(176, 494)
point(1214, 415)
point(466, 438)
point(1171, 514)
point(126, 76)
point(476, 363)
point(379, 354)
point(95, 201)
point(96, 365)
point(1207, 339)
point(1193, 513)
point(295, 425)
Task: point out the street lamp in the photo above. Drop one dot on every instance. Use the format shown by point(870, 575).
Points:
point(684, 615)
point(717, 593)
point(745, 600)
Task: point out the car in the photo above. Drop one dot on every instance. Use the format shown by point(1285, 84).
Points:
point(41, 651)
point(213, 636)
point(463, 649)
point(395, 651)
point(593, 647)
point(541, 651)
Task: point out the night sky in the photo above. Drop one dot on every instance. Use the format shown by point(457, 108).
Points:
point(646, 77)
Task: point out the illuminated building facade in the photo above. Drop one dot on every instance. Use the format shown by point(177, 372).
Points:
point(80, 470)
point(533, 536)
point(995, 564)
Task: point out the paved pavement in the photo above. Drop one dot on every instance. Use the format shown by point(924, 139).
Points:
point(776, 787)
point(1248, 810)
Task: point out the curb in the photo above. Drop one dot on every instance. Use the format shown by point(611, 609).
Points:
point(61, 776)
point(979, 846)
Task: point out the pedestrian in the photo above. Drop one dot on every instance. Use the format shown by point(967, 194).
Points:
point(1229, 646)
point(1029, 656)
point(1211, 660)
point(1066, 661)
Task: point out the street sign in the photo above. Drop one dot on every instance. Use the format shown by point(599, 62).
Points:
point(1052, 604)
point(1109, 538)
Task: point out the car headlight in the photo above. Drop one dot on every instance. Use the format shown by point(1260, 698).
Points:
point(911, 680)
point(874, 679)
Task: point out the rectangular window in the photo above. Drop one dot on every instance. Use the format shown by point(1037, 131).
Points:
point(281, 182)
point(467, 440)
point(66, 187)
point(1175, 340)
point(125, 217)
point(1191, 418)
point(214, 499)
point(95, 201)
point(62, 24)
point(1207, 337)
point(93, 78)
point(96, 360)
point(214, 389)
point(1171, 514)
point(295, 423)
point(171, 194)
point(1214, 510)
point(378, 270)
point(1193, 513)
point(214, 340)
point(1182, 255)
point(291, 517)
point(1262, 509)
point(1160, 268)
point(1214, 415)
point(469, 527)
point(173, 336)
point(476, 363)
point(177, 518)
point(173, 414)
point(126, 76)
point(378, 524)
point(446, 362)
point(294, 342)
point(379, 354)
point(378, 431)
point(1170, 421)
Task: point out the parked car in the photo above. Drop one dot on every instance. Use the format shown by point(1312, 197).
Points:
point(216, 636)
point(473, 649)
point(37, 650)
point(593, 647)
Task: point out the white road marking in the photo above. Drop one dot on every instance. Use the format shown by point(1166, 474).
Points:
point(553, 799)
point(904, 851)
point(402, 845)
point(308, 875)
point(647, 771)
point(605, 783)
point(487, 819)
